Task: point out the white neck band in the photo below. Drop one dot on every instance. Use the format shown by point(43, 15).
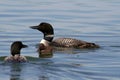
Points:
point(49, 35)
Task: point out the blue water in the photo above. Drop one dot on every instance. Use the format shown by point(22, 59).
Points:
point(90, 20)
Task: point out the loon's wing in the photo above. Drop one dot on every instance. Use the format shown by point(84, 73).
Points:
point(70, 42)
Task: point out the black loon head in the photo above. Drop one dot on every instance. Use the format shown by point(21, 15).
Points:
point(46, 29)
point(16, 47)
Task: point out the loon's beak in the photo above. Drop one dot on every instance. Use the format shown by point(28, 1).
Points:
point(24, 46)
point(34, 27)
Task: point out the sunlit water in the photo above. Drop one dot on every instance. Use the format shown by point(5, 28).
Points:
point(90, 20)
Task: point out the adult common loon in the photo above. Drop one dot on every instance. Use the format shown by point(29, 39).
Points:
point(48, 32)
point(15, 53)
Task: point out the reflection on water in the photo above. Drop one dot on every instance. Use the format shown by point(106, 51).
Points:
point(48, 55)
point(90, 20)
point(15, 71)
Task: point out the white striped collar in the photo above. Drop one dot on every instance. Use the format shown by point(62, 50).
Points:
point(51, 35)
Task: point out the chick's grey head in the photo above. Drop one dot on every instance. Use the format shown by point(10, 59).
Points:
point(16, 47)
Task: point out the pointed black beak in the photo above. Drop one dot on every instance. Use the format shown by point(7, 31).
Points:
point(24, 46)
point(34, 27)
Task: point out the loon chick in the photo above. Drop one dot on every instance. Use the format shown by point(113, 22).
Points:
point(48, 32)
point(15, 53)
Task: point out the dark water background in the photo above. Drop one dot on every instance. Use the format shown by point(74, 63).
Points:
point(90, 20)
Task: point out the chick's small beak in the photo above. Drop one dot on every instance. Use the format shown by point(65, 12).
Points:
point(34, 27)
point(24, 46)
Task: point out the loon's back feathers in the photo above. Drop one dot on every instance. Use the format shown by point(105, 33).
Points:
point(71, 42)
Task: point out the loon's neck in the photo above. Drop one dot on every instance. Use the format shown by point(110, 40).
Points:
point(15, 53)
point(47, 39)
